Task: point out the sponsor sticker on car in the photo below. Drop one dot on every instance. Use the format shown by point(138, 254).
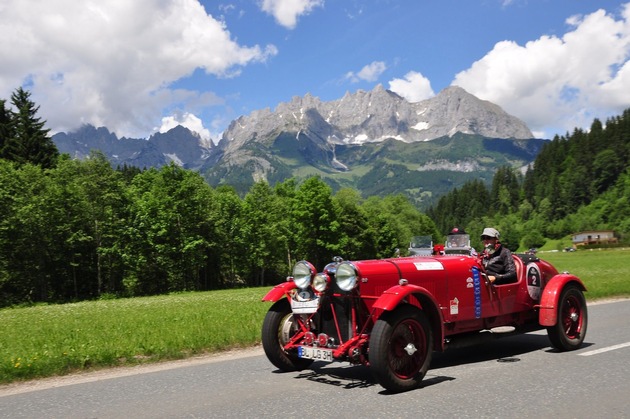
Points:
point(429, 266)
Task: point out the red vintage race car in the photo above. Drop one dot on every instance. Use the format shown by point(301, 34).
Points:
point(391, 314)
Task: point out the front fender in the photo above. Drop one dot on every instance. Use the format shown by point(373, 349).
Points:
point(548, 314)
point(279, 291)
point(394, 296)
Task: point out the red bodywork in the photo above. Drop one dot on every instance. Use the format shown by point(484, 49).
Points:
point(450, 289)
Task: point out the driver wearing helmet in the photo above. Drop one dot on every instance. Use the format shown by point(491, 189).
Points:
point(497, 259)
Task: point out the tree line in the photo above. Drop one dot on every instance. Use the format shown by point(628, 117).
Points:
point(82, 230)
point(578, 182)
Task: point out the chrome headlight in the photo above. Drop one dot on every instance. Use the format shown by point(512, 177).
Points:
point(303, 272)
point(346, 276)
point(320, 282)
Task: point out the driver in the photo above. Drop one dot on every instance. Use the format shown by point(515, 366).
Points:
point(497, 259)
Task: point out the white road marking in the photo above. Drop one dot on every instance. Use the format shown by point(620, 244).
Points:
point(606, 349)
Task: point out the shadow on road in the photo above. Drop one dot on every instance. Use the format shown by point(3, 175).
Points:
point(507, 349)
point(357, 376)
point(353, 376)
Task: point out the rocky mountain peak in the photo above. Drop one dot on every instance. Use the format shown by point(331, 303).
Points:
point(455, 110)
point(178, 145)
point(376, 115)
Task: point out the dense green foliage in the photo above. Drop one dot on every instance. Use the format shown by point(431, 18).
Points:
point(82, 230)
point(578, 182)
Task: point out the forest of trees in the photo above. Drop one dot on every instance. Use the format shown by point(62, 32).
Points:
point(74, 230)
point(578, 182)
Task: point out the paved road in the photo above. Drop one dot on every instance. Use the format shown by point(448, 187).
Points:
point(516, 377)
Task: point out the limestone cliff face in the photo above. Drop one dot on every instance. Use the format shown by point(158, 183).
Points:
point(378, 115)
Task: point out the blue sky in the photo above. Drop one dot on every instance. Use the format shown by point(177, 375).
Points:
point(137, 67)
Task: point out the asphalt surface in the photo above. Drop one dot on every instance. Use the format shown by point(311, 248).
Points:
point(514, 377)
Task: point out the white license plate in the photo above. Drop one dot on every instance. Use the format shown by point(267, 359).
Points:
point(315, 353)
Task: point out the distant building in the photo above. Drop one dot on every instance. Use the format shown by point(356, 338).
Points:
point(585, 238)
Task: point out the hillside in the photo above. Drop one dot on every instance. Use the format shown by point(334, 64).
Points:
point(375, 142)
point(578, 182)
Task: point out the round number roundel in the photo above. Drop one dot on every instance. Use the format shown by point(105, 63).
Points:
point(534, 279)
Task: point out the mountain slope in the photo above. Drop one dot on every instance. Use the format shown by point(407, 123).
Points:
point(374, 141)
point(374, 138)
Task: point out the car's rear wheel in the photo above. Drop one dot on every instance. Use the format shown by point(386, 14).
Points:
point(569, 332)
point(401, 347)
point(278, 328)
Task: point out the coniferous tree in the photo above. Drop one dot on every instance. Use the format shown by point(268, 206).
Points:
point(5, 126)
point(29, 141)
point(505, 191)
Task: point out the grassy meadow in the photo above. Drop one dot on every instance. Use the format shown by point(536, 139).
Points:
point(47, 340)
point(606, 273)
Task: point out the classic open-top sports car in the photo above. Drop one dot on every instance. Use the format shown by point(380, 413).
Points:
point(391, 314)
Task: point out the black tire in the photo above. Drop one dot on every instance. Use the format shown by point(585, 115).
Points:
point(401, 348)
point(278, 327)
point(569, 332)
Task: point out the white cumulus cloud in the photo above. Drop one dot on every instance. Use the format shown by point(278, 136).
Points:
point(187, 120)
point(562, 82)
point(414, 87)
point(286, 12)
point(370, 73)
point(110, 63)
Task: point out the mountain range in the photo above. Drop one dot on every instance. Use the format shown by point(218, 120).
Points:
point(373, 141)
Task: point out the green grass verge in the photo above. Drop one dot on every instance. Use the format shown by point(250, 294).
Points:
point(51, 340)
point(606, 273)
point(43, 341)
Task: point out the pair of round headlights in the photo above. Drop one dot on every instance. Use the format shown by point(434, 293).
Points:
point(305, 275)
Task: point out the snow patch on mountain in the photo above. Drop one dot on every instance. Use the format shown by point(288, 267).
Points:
point(465, 166)
point(421, 126)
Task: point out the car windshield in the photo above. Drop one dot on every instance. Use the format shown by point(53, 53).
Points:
point(458, 240)
point(421, 242)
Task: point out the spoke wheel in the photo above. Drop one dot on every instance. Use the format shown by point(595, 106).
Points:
point(278, 328)
point(570, 330)
point(401, 348)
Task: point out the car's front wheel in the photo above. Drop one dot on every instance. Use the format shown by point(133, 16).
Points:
point(569, 331)
point(401, 347)
point(278, 328)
